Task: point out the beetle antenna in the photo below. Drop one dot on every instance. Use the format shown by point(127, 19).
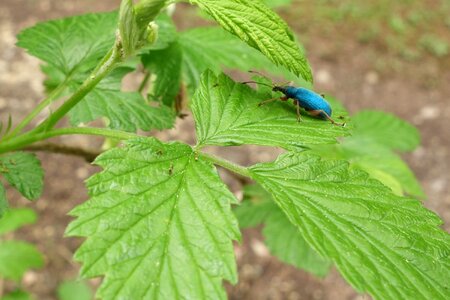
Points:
point(245, 82)
point(273, 84)
point(260, 74)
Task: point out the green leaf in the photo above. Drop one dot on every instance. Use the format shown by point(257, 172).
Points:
point(16, 258)
point(254, 208)
point(72, 48)
point(262, 29)
point(166, 65)
point(213, 48)
point(379, 133)
point(227, 113)
point(125, 110)
point(388, 180)
point(286, 242)
point(24, 172)
point(281, 237)
point(74, 290)
point(386, 245)
point(16, 218)
point(3, 202)
point(386, 129)
point(277, 3)
point(17, 295)
point(72, 45)
point(374, 159)
point(158, 212)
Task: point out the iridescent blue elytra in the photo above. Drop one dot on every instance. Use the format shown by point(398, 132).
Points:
point(313, 103)
point(307, 99)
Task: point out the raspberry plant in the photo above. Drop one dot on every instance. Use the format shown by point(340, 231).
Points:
point(159, 223)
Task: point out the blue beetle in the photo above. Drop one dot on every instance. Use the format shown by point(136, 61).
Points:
point(313, 103)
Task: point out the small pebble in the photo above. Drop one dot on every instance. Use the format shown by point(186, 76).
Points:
point(323, 76)
point(372, 78)
point(259, 248)
point(30, 278)
point(429, 112)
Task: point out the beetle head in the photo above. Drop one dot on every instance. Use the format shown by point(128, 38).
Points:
point(279, 89)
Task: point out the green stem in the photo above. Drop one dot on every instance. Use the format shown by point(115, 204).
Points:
point(88, 154)
point(109, 62)
point(28, 139)
point(226, 164)
point(144, 82)
point(42, 105)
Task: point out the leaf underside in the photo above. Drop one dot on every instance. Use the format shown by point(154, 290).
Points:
point(159, 225)
point(128, 111)
point(388, 246)
point(24, 172)
point(213, 48)
point(166, 65)
point(262, 29)
point(281, 237)
point(376, 158)
point(286, 242)
point(371, 147)
point(386, 129)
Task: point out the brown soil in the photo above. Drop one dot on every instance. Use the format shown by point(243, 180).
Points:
point(361, 76)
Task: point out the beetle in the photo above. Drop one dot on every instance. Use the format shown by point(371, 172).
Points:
point(313, 103)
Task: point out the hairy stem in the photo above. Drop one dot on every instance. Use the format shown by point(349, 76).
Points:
point(28, 139)
point(144, 82)
point(42, 105)
point(88, 154)
point(109, 62)
point(226, 164)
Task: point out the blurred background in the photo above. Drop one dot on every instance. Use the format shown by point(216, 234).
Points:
point(379, 54)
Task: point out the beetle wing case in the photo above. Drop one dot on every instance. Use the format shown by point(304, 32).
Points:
point(310, 100)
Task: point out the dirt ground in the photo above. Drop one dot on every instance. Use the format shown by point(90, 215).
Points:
point(361, 75)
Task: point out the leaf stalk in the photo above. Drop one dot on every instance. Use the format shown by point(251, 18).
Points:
point(108, 63)
point(28, 139)
point(243, 171)
point(41, 106)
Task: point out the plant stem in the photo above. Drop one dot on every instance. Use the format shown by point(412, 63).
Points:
point(108, 63)
point(88, 154)
point(226, 164)
point(144, 82)
point(30, 138)
point(42, 105)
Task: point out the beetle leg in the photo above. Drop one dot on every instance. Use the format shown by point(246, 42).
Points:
point(323, 96)
point(298, 111)
point(268, 101)
point(320, 112)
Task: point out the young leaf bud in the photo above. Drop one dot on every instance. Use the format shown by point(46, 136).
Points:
point(152, 32)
